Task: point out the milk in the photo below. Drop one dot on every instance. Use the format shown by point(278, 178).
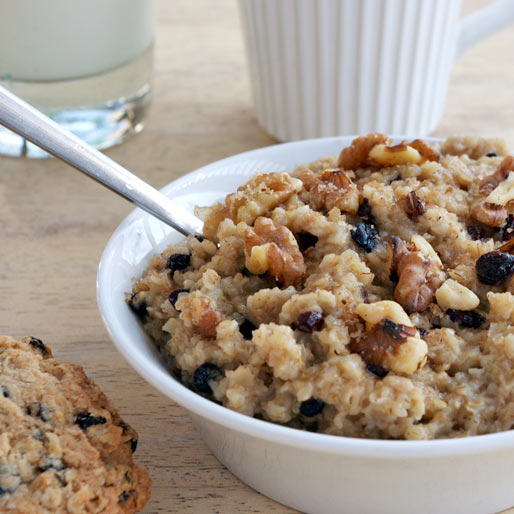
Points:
point(51, 40)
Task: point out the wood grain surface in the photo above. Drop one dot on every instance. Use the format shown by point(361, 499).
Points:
point(54, 224)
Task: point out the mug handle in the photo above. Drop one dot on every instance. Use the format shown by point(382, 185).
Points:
point(483, 23)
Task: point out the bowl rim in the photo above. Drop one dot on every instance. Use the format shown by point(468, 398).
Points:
point(272, 432)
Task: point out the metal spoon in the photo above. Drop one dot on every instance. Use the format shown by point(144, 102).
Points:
point(25, 120)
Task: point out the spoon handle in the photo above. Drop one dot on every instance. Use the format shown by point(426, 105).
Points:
point(25, 120)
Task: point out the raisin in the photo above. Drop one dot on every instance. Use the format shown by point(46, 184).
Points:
point(133, 445)
point(366, 236)
point(310, 321)
point(365, 213)
point(37, 344)
point(507, 231)
point(124, 496)
point(203, 375)
point(5, 391)
point(178, 261)
point(377, 370)
point(38, 410)
point(413, 205)
point(246, 328)
point(467, 319)
point(475, 233)
point(173, 297)
point(494, 268)
point(138, 304)
point(85, 420)
point(311, 407)
point(306, 240)
point(200, 238)
point(491, 154)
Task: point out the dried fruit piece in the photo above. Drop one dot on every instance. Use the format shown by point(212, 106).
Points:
point(310, 321)
point(274, 249)
point(467, 319)
point(246, 328)
point(138, 304)
point(204, 375)
point(412, 205)
point(331, 189)
point(476, 233)
point(5, 391)
point(495, 268)
point(85, 420)
point(39, 345)
point(173, 296)
point(376, 369)
point(311, 407)
point(365, 213)
point(507, 231)
point(366, 236)
point(356, 155)
point(178, 261)
point(306, 240)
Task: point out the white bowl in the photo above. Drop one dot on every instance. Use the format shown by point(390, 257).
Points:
point(314, 473)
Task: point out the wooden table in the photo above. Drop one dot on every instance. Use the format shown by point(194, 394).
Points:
point(54, 224)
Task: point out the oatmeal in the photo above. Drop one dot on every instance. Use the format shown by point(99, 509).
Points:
point(369, 294)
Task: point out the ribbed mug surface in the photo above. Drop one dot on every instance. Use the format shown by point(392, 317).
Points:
point(339, 67)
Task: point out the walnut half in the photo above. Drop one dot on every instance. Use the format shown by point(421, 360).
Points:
point(419, 273)
point(274, 249)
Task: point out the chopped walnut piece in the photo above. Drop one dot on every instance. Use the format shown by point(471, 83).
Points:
point(382, 338)
point(274, 249)
point(425, 150)
point(395, 155)
point(488, 213)
point(412, 204)
point(489, 208)
point(204, 318)
point(260, 195)
point(331, 189)
point(419, 273)
point(489, 183)
point(390, 340)
point(356, 155)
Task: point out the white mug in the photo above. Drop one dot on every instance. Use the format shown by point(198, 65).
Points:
point(341, 67)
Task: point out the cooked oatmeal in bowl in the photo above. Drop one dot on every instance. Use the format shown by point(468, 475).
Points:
point(368, 294)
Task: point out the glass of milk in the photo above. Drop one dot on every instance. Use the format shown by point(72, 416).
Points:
point(86, 64)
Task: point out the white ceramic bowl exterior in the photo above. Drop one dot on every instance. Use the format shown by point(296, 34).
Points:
point(338, 67)
point(315, 473)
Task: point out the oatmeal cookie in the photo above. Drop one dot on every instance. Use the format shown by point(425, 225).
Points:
point(365, 295)
point(63, 446)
